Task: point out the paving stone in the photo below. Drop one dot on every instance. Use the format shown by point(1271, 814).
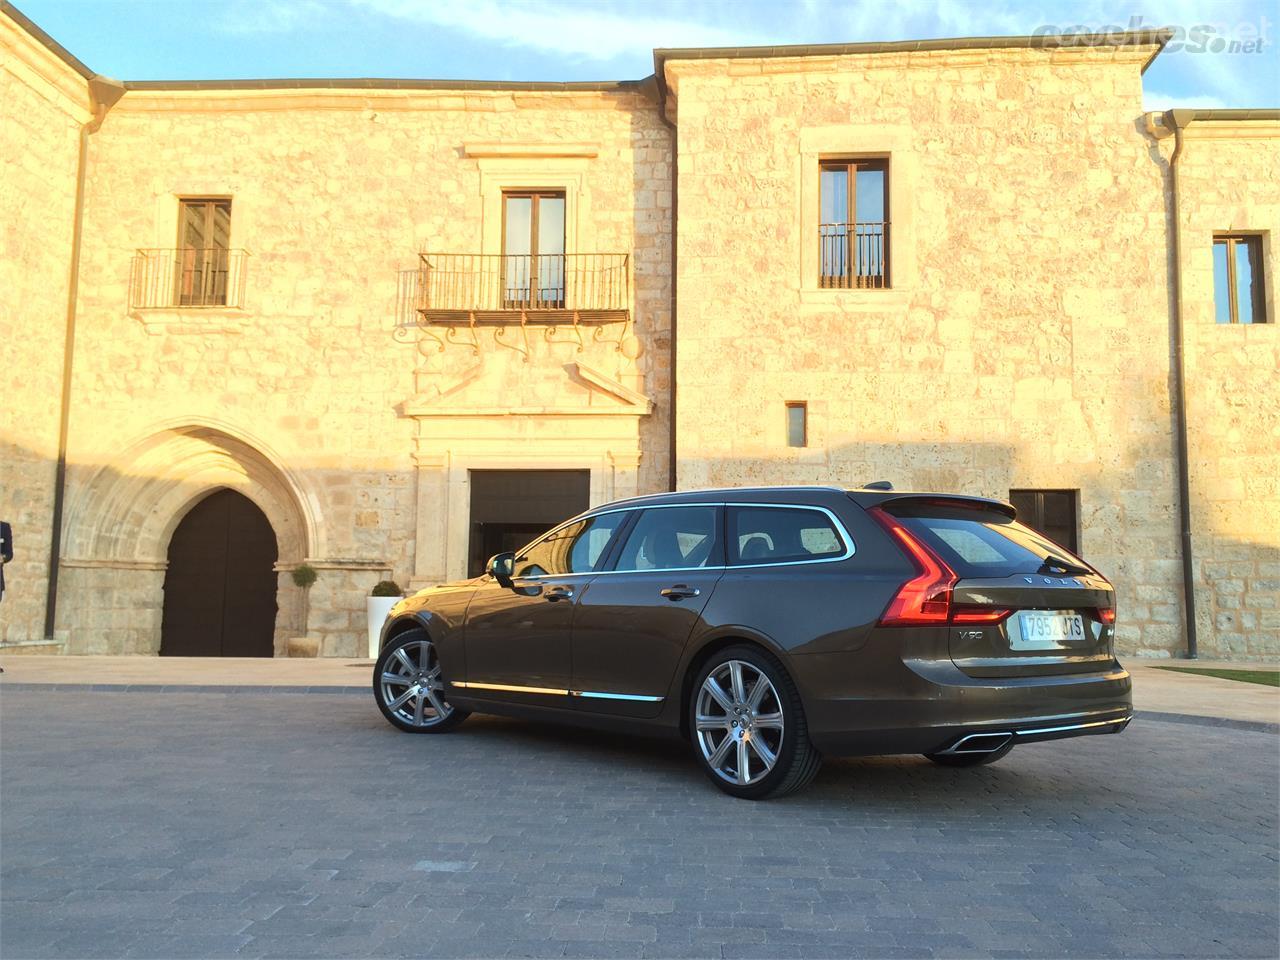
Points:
point(261, 826)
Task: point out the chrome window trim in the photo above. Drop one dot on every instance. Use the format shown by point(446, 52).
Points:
point(841, 530)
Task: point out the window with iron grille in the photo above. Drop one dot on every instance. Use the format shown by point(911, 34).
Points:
point(1050, 512)
point(203, 260)
point(1238, 281)
point(853, 227)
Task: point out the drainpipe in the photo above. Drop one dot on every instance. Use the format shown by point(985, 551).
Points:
point(661, 77)
point(104, 93)
point(1175, 120)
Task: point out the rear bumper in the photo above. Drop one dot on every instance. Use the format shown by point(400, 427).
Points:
point(934, 706)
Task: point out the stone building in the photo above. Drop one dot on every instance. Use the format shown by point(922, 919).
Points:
point(384, 328)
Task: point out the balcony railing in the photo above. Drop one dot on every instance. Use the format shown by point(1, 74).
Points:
point(187, 277)
point(547, 288)
point(854, 255)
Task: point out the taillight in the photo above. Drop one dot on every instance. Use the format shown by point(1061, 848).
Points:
point(1107, 615)
point(925, 599)
point(961, 614)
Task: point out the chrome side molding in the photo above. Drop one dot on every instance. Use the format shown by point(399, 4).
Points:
point(552, 691)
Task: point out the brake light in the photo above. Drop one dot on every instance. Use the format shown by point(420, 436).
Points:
point(1107, 614)
point(925, 599)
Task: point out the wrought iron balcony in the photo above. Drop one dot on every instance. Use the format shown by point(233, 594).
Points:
point(500, 288)
point(854, 255)
point(187, 277)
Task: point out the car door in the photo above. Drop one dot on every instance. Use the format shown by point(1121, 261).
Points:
point(518, 638)
point(634, 619)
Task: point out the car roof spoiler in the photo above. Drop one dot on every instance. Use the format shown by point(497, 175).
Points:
point(868, 497)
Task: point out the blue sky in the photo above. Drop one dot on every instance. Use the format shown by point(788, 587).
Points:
point(613, 39)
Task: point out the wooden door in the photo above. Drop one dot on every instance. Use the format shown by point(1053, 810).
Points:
point(220, 586)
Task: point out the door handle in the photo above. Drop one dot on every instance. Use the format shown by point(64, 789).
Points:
point(558, 593)
point(679, 592)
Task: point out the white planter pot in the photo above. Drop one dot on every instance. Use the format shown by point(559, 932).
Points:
point(377, 608)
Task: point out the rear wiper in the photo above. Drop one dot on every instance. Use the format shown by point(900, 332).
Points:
point(1052, 564)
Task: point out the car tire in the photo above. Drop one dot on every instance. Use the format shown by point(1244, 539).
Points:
point(409, 686)
point(969, 759)
point(741, 722)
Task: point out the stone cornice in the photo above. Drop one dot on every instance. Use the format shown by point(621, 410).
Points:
point(213, 99)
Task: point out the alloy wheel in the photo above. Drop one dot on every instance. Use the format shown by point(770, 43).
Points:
point(739, 723)
point(412, 686)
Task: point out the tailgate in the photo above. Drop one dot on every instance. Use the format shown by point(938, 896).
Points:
point(1020, 604)
point(1056, 624)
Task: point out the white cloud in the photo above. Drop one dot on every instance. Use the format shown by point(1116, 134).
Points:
point(571, 29)
point(246, 17)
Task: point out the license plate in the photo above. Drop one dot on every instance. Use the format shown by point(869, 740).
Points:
point(1038, 630)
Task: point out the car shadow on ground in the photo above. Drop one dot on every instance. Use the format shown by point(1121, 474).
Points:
point(876, 781)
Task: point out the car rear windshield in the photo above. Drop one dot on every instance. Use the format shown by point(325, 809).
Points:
point(982, 542)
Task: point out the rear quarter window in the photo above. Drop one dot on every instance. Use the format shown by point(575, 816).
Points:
point(782, 535)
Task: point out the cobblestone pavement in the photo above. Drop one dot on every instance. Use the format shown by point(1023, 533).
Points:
point(204, 824)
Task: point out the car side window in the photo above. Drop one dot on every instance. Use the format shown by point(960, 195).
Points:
point(782, 535)
point(672, 538)
point(574, 548)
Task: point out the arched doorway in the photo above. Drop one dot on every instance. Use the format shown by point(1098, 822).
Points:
point(220, 584)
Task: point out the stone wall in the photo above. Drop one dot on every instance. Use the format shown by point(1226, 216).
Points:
point(334, 193)
point(43, 103)
point(1229, 180)
point(1024, 342)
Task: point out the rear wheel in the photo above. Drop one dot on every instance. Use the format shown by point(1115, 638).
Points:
point(409, 686)
point(748, 726)
point(969, 759)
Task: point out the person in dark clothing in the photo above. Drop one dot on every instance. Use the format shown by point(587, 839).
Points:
point(6, 551)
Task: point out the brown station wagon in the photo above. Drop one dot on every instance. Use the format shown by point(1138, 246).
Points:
point(772, 626)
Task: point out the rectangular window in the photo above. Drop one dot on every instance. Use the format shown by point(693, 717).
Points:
point(533, 267)
point(203, 259)
point(1238, 295)
point(1051, 513)
point(853, 223)
point(797, 424)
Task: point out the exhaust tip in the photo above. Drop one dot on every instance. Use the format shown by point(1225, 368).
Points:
point(974, 743)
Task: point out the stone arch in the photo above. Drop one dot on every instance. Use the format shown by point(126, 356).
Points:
point(122, 514)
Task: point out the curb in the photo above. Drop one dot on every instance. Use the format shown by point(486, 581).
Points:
point(1253, 726)
point(178, 688)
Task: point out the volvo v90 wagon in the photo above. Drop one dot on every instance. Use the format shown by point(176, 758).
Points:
point(772, 626)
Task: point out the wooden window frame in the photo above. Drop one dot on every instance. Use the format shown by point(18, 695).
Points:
point(803, 406)
point(535, 195)
point(1037, 522)
point(851, 166)
point(1252, 241)
point(185, 265)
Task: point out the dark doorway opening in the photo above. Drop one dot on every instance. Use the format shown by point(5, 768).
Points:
point(220, 586)
point(509, 508)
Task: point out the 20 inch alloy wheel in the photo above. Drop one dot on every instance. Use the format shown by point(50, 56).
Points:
point(408, 684)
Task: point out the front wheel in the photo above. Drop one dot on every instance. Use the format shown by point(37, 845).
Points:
point(748, 726)
point(409, 686)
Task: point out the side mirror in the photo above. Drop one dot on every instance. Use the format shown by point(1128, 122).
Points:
point(500, 566)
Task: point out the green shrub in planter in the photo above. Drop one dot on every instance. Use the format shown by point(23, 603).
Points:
point(386, 588)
